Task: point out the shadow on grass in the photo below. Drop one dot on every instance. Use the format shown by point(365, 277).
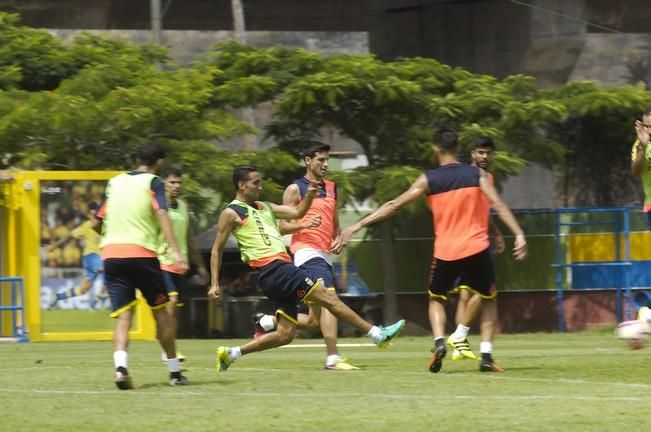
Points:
point(159, 385)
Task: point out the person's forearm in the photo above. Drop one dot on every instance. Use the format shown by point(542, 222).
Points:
point(215, 265)
point(289, 227)
point(507, 217)
point(304, 205)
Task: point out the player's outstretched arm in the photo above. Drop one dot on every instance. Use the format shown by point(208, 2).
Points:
point(225, 224)
point(385, 211)
point(296, 211)
point(503, 212)
point(292, 197)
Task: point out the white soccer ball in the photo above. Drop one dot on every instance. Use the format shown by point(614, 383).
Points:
point(632, 332)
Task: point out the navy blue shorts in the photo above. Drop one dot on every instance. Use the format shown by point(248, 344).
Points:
point(648, 219)
point(318, 268)
point(176, 284)
point(124, 275)
point(285, 285)
point(476, 271)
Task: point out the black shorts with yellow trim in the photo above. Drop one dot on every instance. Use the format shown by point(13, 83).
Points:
point(124, 275)
point(318, 268)
point(475, 273)
point(176, 285)
point(286, 285)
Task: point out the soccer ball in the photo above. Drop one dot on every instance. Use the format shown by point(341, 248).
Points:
point(632, 332)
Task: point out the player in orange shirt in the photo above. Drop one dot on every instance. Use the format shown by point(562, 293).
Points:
point(459, 196)
point(312, 238)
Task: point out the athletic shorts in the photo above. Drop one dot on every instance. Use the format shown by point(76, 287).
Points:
point(124, 275)
point(648, 219)
point(176, 284)
point(93, 265)
point(286, 285)
point(318, 268)
point(476, 270)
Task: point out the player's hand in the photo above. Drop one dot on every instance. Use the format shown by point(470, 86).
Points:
point(313, 187)
point(520, 247)
point(312, 222)
point(342, 240)
point(180, 262)
point(642, 133)
point(498, 244)
point(214, 292)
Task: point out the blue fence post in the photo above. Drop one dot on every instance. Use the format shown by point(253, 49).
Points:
point(560, 269)
point(17, 296)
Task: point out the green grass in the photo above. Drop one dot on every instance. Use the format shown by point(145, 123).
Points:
point(73, 320)
point(553, 382)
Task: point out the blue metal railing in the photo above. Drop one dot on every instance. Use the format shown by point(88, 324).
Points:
point(621, 227)
point(16, 308)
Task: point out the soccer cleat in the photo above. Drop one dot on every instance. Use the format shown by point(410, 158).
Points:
point(462, 346)
point(389, 332)
point(123, 380)
point(223, 360)
point(341, 365)
point(258, 330)
point(456, 355)
point(177, 379)
point(438, 354)
point(489, 366)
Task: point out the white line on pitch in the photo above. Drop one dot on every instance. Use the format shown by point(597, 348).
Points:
point(345, 345)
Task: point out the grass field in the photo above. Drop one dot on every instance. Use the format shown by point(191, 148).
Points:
point(553, 382)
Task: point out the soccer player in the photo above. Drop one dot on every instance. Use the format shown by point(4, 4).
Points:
point(254, 224)
point(312, 237)
point(459, 196)
point(132, 216)
point(91, 259)
point(481, 155)
point(173, 275)
point(640, 156)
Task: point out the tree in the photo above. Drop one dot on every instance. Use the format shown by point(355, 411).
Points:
point(597, 134)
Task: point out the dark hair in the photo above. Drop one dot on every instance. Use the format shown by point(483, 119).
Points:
point(172, 171)
point(314, 147)
point(241, 173)
point(150, 152)
point(446, 139)
point(482, 142)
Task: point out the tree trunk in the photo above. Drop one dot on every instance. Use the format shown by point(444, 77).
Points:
point(388, 271)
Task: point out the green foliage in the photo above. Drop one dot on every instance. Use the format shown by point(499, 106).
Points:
point(597, 133)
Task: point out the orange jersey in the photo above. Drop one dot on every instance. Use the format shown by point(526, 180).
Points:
point(460, 211)
point(325, 205)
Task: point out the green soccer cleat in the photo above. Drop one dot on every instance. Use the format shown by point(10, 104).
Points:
point(456, 355)
point(223, 360)
point(462, 346)
point(389, 332)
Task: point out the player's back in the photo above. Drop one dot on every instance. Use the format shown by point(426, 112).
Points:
point(459, 209)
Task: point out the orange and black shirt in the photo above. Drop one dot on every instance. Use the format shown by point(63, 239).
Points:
point(460, 211)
